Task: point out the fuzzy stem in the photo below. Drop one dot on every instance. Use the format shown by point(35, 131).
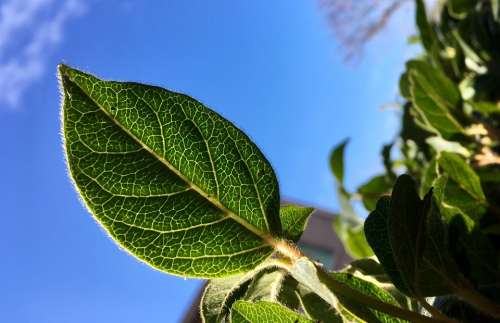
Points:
point(290, 251)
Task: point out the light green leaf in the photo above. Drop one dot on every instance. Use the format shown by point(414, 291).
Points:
point(431, 172)
point(486, 107)
point(264, 312)
point(306, 273)
point(171, 181)
point(369, 289)
point(353, 238)
point(294, 220)
point(274, 286)
point(439, 144)
point(435, 98)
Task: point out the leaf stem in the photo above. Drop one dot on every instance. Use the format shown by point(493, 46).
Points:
point(290, 251)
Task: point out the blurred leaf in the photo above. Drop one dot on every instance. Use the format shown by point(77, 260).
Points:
point(264, 312)
point(369, 289)
point(294, 220)
point(486, 107)
point(373, 189)
point(429, 175)
point(353, 238)
point(463, 189)
point(404, 86)
point(337, 161)
point(388, 163)
point(427, 35)
point(460, 8)
point(439, 144)
point(435, 98)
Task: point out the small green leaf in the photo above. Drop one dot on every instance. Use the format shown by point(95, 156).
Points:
point(337, 160)
point(171, 181)
point(264, 312)
point(294, 220)
point(221, 293)
point(305, 272)
point(316, 308)
point(369, 289)
point(219, 296)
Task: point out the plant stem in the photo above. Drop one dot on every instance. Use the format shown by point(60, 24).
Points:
point(290, 251)
point(480, 302)
point(434, 311)
point(347, 291)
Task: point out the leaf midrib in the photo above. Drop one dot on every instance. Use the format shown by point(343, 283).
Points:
point(266, 237)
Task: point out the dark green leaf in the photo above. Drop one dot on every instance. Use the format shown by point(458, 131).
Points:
point(378, 238)
point(171, 181)
point(264, 312)
point(427, 35)
point(460, 8)
point(417, 239)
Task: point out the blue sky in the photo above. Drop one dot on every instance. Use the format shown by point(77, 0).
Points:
point(271, 67)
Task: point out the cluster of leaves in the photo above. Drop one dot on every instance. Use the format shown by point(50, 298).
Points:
point(185, 191)
point(436, 230)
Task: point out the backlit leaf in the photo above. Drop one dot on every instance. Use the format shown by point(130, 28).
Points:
point(264, 312)
point(171, 181)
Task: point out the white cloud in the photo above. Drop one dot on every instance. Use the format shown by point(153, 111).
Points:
point(29, 32)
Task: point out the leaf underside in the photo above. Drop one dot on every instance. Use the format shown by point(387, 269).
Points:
point(171, 181)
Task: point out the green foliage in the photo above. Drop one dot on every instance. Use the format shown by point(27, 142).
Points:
point(185, 191)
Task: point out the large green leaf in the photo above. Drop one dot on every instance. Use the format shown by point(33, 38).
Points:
point(171, 181)
point(264, 312)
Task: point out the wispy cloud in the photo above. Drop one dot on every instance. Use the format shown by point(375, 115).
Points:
point(29, 32)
